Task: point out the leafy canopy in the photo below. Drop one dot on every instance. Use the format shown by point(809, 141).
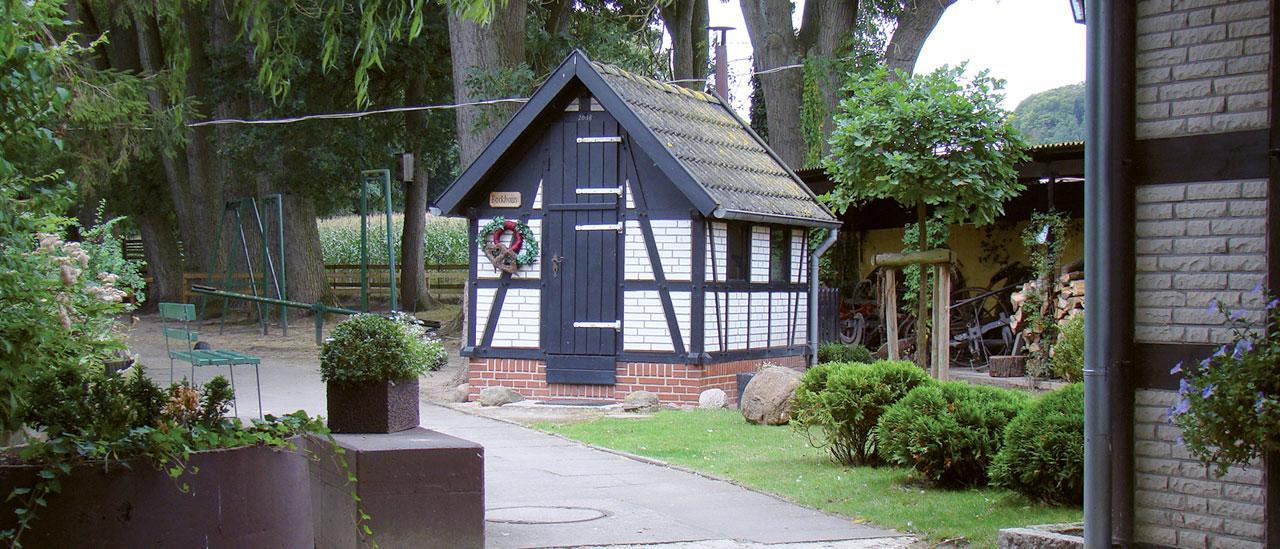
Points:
point(1052, 116)
point(940, 139)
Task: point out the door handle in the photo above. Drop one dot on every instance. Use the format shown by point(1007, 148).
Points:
point(555, 264)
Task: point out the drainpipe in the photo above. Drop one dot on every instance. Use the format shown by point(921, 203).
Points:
point(814, 260)
point(1109, 240)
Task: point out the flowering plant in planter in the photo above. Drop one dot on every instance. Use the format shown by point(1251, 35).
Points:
point(1229, 410)
point(371, 365)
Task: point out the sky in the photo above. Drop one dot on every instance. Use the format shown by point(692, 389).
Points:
point(1032, 44)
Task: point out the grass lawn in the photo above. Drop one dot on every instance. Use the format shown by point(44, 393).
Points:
point(779, 460)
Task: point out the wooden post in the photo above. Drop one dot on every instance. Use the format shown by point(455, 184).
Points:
point(889, 310)
point(941, 321)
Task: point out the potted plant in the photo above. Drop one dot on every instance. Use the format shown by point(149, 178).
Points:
point(370, 365)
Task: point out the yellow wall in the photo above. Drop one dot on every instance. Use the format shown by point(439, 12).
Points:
point(967, 243)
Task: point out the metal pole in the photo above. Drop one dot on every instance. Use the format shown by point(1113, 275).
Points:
point(248, 263)
point(391, 253)
point(364, 244)
point(284, 281)
point(266, 252)
point(814, 264)
point(1109, 242)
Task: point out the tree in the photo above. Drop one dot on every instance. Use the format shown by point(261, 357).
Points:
point(1052, 116)
point(935, 142)
point(830, 30)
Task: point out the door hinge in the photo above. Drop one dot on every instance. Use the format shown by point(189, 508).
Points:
point(607, 190)
point(615, 325)
point(605, 227)
point(610, 139)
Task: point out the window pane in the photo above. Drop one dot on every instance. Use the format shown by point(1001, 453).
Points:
point(779, 255)
point(739, 252)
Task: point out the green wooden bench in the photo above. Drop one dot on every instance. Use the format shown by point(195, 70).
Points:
point(183, 314)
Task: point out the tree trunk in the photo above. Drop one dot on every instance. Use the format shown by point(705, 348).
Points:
point(922, 303)
point(199, 203)
point(838, 18)
point(773, 40)
point(482, 48)
point(164, 263)
point(915, 23)
point(686, 22)
point(414, 294)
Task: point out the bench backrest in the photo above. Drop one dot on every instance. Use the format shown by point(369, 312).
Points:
point(182, 314)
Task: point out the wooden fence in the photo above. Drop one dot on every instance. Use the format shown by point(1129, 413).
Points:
point(344, 280)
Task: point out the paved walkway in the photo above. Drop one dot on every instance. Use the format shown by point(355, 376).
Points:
point(535, 477)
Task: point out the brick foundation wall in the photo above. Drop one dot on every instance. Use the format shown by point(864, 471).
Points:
point(1179, 501)
point(673, 383)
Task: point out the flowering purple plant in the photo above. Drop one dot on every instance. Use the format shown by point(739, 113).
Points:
point(1229, 405)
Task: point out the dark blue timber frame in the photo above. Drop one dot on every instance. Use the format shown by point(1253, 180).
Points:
point(652, 173)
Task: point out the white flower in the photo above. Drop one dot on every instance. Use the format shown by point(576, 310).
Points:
point(48, 242)
point(70, 275)
point(108, 278)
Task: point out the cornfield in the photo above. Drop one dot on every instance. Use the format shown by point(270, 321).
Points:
point(444, 241)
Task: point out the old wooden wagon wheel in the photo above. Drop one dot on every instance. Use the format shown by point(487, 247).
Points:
point(979, 326)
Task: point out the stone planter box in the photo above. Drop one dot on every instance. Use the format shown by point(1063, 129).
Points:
point(372, 407)
point(254, 496)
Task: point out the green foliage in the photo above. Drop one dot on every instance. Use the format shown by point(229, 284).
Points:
point(838, 404)
point(832, 351)
point(757, 116)
point(444, 240)
point(1043, 453)
point(938, 234)
point(1045, 238)
point(1052, 116)
point(1229, 409)
point(1068, 352)
point(813, 111)
point(939, 139)
point(106, 253)
point(948, 432)
point(372, 348)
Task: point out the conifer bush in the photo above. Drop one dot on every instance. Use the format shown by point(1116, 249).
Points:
point(838, 404)
point(841, 352)
point(1043, 453)
point(948, 432)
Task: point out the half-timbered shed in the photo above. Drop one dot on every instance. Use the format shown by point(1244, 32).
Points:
point(671, 245)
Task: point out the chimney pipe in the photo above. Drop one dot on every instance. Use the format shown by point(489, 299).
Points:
point(722, 62)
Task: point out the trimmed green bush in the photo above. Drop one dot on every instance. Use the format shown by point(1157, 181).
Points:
point(1043, 453)
point(376, 348)
point(948, 432)
point(840, 352)
point(1068, 352)
point(838, 404)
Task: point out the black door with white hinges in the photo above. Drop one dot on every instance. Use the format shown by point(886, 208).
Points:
point(582, 201)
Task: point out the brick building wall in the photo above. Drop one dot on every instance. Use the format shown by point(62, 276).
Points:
point(1202, 69)
point(673, 383)
point(1181, 502)
point(1202, 66)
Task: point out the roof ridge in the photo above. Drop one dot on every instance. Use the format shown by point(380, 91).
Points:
point(653, 83)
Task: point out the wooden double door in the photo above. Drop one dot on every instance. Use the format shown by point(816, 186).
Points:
point(583, 207)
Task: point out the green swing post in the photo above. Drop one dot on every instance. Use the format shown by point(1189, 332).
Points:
point(368, 177)
point(364, 244)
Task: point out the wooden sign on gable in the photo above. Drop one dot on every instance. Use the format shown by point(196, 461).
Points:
point(504, 200)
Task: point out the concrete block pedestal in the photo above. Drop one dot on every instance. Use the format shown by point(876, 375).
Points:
point(419, 487)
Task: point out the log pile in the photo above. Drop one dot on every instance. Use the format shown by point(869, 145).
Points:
point(1064, 301)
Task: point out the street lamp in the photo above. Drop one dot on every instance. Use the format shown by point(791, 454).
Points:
point(1077, 10)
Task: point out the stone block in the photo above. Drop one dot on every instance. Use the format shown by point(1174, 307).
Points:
point(1204, 523)
point(1195, 487)
point(1253, 189)
point(1161, 299)
point(1199, 227)
point(1158, 23)
point(1155, 41)
point(1246, 245)
point(1236, 510)
point(1204, 105)
point(1153, 246)
point(1155, 397)
point(1147, 94)
point(1216, 50)
point(1239, 226)
point(1247, 101)
point(1257, 45)
point(1160, 193)
point(1185, 264)
point(1187, 538)
point(1243, 493)
point(419, 487)
point(1236, 11)
point(1199, 35)
point(1154, 75)
point(1166, 334)
point(1196, 316)
point(1245, 281)
point(1200, 209)
point(1238, 262)
point(1242, 528)
point(1250, 27)
point(1247, 208)
point(1247, 64)
point(1154, 212)
point(1185, 90)
point(1214, 245)
point(1164, 57)
point(1154, 129)
point(1152, 7)
point(1200, 17)
point(1145, 229)
point(1214, 190)
point(1156, 483)
point(1244, 83)
point(1153, 282)
point(1156, 535)
point(1192, 4)
point(1195, 71)
point(1151, 414)
point(1152, 111)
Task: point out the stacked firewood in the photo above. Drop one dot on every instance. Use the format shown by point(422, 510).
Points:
point(1064, 301)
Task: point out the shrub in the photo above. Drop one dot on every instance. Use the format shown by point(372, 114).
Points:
point(1043, 453)
point(1068, 352)
point(377, 348)
point(843, 402)
point(949, 432)
point(840, 352)
point(444, 240)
